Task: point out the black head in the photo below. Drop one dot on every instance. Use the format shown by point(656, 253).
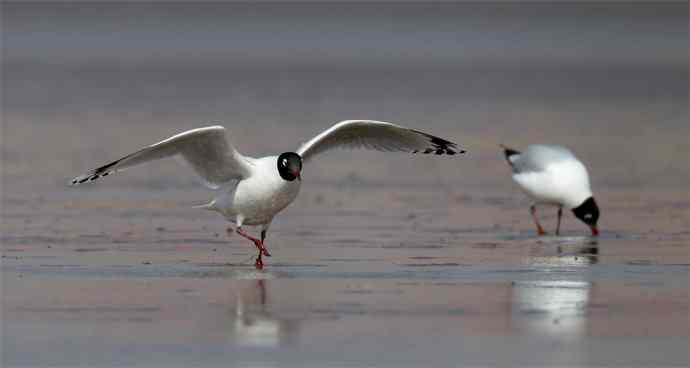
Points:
point(588, 212)
point(290, 166)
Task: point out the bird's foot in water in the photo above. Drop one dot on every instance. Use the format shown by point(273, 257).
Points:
point(259, 264)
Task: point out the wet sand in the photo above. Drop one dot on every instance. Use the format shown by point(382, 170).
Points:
point(373, 265)
point(383, 260)
point(145, 282)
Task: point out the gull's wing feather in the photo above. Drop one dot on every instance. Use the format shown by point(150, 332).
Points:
point(536, 157)
point(205, 149)
point(376, 135)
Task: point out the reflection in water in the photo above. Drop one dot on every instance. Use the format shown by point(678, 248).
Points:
point(555, 308)
point(255, 325)
point(550, 308)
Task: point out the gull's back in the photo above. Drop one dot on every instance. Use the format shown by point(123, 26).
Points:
point(551, 174)
point(538, 157)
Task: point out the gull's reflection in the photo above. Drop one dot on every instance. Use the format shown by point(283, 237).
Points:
point(550, 308)
point(255, 324)
point(555, 308)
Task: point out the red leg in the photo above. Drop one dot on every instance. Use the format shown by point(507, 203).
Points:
point(258, 243)
point(533, 211)
point(259, 264)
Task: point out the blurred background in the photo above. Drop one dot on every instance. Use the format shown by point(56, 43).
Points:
point(83, 83)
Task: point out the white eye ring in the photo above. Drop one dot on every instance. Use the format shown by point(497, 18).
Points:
point(588, 216)
point(284, 162)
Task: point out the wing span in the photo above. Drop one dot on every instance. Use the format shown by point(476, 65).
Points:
point(206, 150)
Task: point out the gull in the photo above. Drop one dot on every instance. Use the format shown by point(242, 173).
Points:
point(251, 191)
point(552, 175)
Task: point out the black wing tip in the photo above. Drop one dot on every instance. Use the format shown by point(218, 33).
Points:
point(439, 146)
point(88, 178)
point(95, 174)
point(441, 151)
point(83, 179)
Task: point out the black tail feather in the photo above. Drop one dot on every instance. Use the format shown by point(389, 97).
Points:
point(509, 152)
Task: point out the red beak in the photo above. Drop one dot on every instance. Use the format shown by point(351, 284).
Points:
point(595, 231)
point(298, 175)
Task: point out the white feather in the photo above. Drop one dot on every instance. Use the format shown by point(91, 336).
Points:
point(376, 135)
point(559, 182)
point(205, 150)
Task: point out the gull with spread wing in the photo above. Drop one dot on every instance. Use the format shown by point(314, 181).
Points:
point(251, 191)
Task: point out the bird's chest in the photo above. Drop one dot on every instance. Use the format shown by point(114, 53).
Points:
point(259, 199)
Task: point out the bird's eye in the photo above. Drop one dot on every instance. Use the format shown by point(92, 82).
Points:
point(284, 162)
point(588, 216)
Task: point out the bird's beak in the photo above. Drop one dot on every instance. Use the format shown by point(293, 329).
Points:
point(595, 230)
point(298, 175)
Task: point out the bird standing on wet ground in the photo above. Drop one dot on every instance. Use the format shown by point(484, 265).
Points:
point(251, 191)
point(552, 175)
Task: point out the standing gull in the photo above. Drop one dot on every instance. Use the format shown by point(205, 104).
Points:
point(552, 175)
point(251, 191)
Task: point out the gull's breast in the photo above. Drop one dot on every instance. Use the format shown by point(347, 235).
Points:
point(259, 198)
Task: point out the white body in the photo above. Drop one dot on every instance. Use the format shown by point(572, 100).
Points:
point(551, 175)
point(256, 199)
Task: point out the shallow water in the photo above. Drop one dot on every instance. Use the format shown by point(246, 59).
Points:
point(178, 295)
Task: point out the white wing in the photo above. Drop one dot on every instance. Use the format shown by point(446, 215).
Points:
point(376, 135)
point(205, 149)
